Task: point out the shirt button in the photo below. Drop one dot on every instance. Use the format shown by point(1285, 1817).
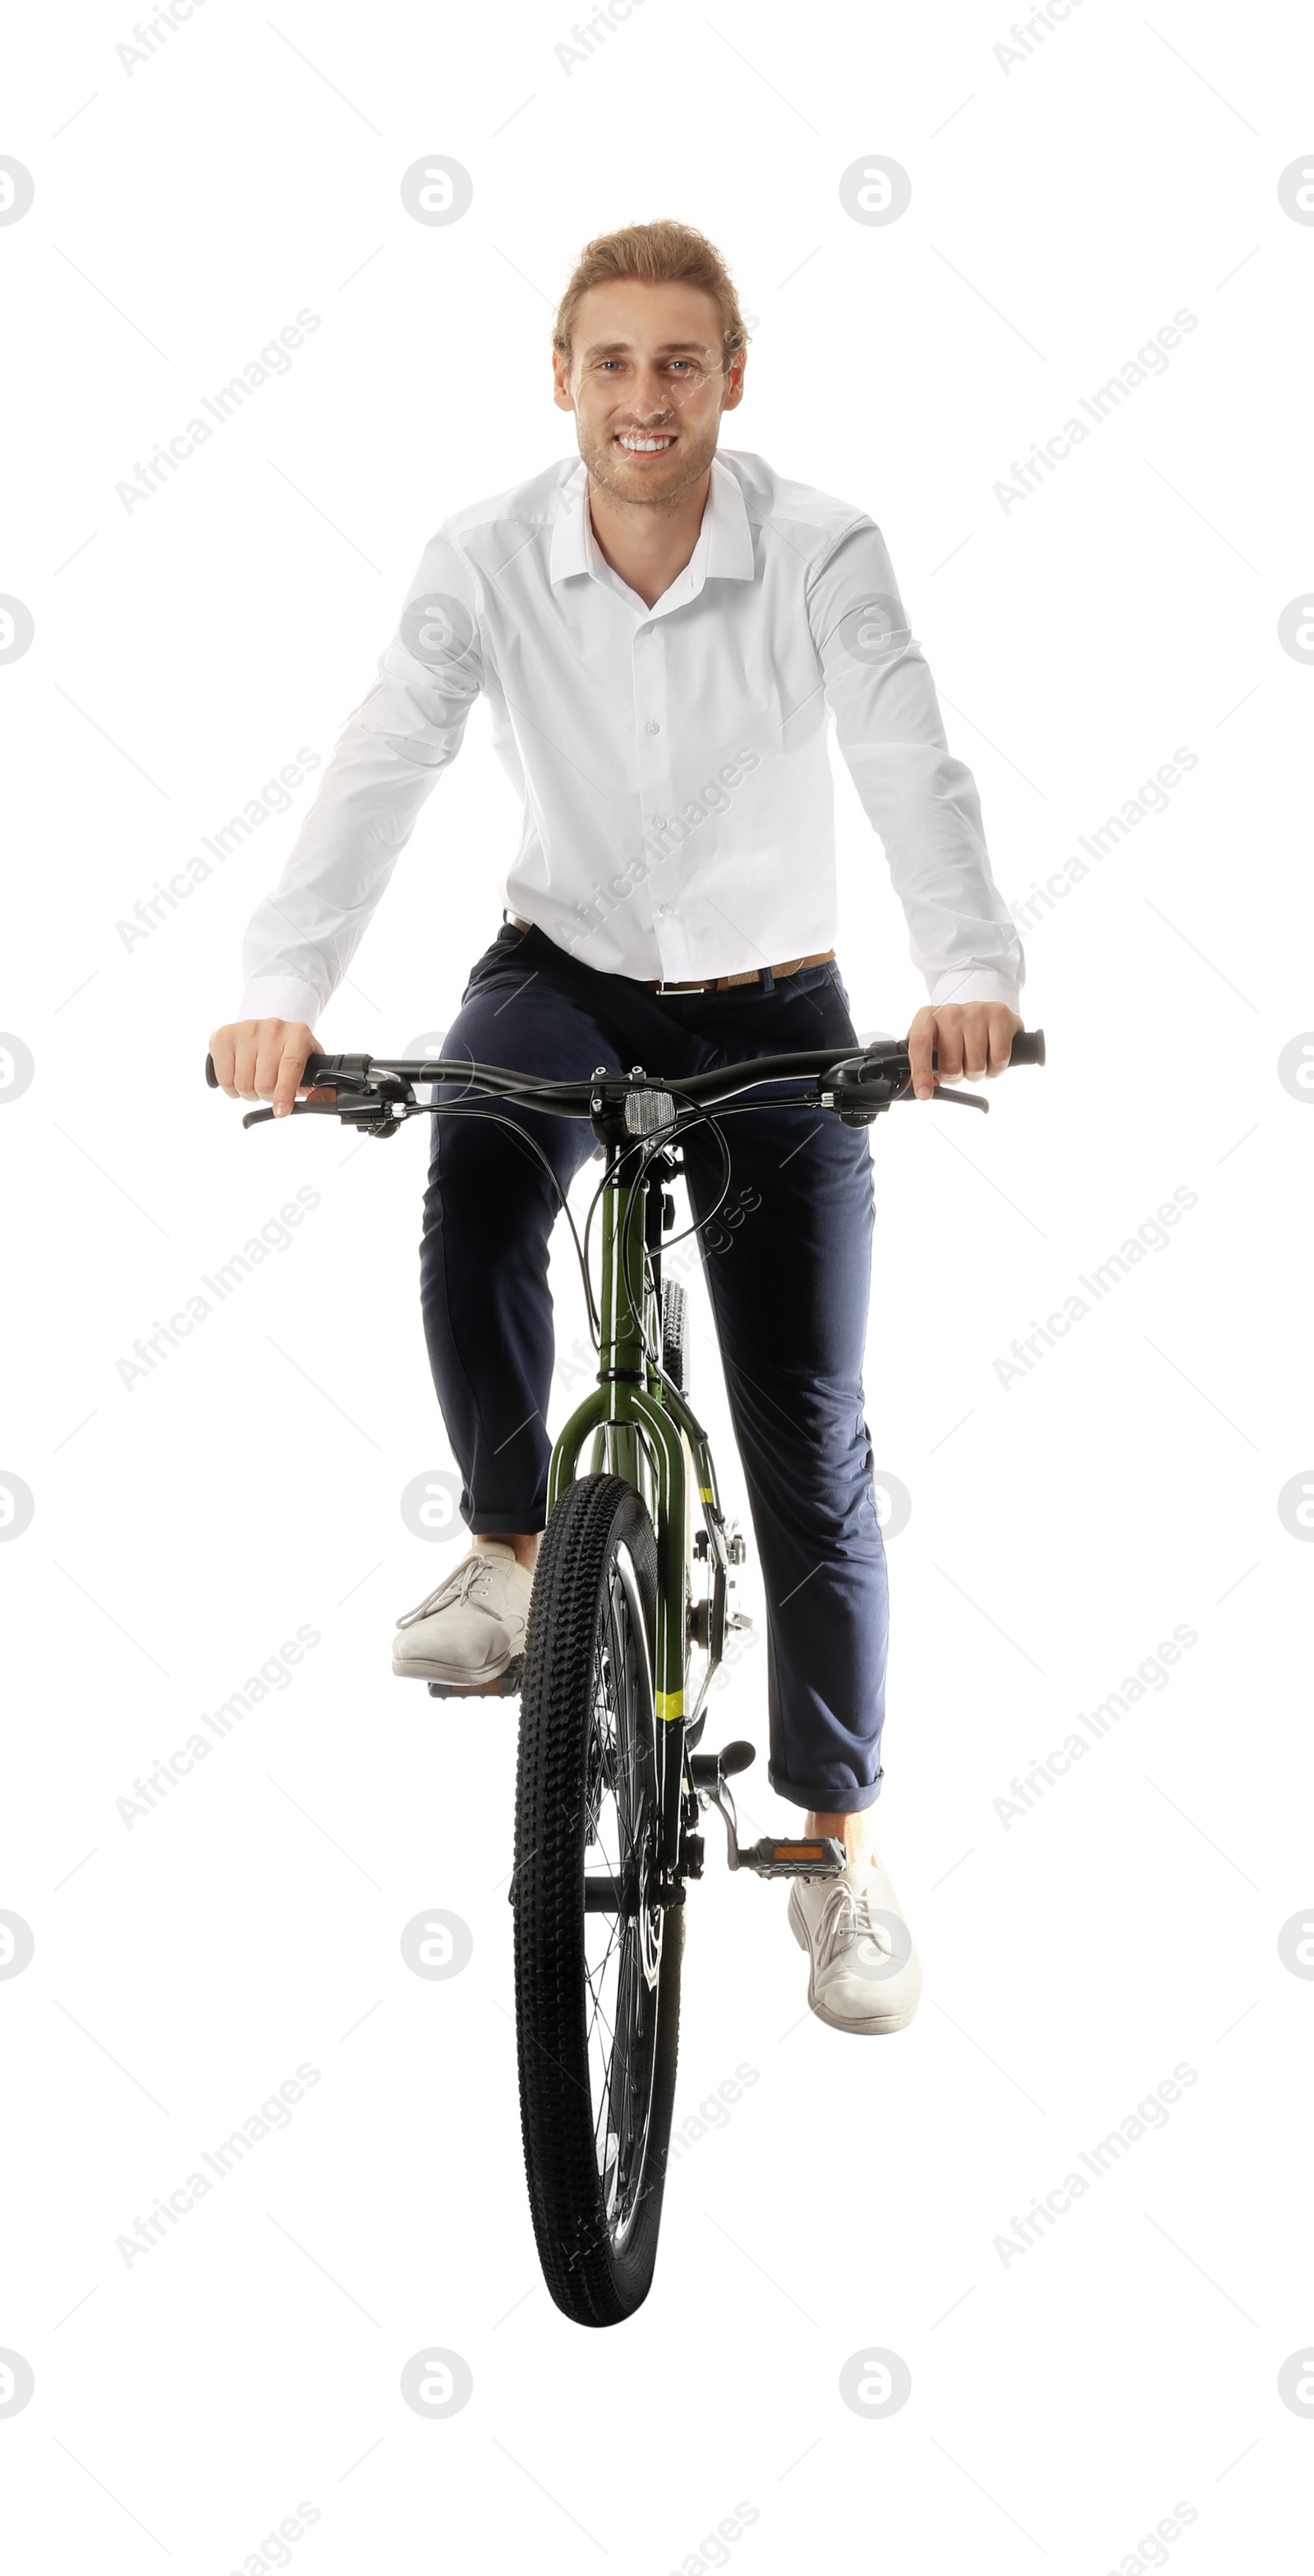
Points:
point(652, 725)
point(662, 910)
point(658, 822)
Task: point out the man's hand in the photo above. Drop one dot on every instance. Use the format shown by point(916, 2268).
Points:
point(971, 1039)
point(265, 1060)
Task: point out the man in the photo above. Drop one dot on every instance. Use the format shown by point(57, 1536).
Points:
point(663, 635)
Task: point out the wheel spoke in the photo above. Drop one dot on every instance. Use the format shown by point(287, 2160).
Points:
point(598, 2015)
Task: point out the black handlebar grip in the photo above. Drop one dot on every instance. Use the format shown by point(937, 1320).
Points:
point(1028, 1047)
point(313, 1070)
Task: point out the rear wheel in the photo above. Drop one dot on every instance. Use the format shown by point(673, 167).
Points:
point(597, 1965)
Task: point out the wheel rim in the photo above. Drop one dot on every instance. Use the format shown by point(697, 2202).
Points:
point(622, 1951)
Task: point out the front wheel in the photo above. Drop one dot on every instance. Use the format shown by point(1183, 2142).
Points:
point(597, 1960)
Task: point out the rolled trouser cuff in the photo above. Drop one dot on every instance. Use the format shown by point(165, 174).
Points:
point(826, 1798)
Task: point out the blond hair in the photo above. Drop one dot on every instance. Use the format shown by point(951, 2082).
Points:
point(657, 254)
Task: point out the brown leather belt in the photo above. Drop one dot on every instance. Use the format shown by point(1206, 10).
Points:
point(719, 983)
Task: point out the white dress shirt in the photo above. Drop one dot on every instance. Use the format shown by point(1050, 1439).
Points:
point(671, 761)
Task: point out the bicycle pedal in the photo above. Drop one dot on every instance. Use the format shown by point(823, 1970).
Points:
point(506, 1686)
point(819, 1856)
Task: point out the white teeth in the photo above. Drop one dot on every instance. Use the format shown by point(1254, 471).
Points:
point(644, 446)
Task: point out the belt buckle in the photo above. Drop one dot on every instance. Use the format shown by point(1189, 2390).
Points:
point(661, 987)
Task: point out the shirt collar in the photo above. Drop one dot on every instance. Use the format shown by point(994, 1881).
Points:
point(724, 551)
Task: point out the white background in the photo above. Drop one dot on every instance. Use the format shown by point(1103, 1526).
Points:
point(1063, 2402)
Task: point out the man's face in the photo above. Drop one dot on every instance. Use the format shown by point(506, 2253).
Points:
point(647, 386)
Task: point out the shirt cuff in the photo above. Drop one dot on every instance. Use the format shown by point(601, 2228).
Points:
point(976, 984)
point(280, 997)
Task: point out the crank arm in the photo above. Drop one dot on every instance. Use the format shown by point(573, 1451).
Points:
point(812, 1856)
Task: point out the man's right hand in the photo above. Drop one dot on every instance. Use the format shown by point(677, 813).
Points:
point(264, 1060)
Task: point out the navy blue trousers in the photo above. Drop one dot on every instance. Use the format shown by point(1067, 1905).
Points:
point(787, 1263)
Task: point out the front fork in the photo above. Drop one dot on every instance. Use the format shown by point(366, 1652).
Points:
point(642, 1429)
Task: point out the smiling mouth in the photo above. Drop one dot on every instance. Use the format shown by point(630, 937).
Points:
point(635, 442)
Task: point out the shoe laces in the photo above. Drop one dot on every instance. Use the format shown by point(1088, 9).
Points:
point(457, 1587)
point(850, 1915)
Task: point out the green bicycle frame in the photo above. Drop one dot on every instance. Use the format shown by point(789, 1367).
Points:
point(642, 1429)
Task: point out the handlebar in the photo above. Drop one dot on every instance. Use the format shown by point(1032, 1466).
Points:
point(377, 1093)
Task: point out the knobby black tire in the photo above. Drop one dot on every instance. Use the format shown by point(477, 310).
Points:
point(593, 2278)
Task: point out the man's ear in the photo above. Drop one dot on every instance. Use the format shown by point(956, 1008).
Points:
point(561, 381)
point(734, 381)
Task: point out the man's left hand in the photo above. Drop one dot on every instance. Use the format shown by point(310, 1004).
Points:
point(971, 1040)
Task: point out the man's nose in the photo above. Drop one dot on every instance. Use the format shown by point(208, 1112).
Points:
point(652, 394)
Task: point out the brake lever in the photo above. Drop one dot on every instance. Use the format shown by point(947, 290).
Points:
point(374, 1116)
point(299, 1109)
point(359, 1100)
point(957, 1099)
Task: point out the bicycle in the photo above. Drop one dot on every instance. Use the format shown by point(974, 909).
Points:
point(611, 1786)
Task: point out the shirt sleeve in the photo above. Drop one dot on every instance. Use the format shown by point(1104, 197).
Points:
point(922, 802)
point(304, 935)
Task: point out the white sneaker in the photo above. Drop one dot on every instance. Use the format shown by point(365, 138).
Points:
point(865, 1974)
point(467, 1632)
